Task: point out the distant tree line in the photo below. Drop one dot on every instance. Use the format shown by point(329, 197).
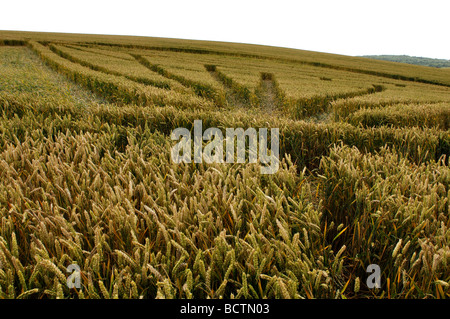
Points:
point(436, 63)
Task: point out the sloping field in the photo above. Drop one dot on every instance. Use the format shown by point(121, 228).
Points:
point(87, 176)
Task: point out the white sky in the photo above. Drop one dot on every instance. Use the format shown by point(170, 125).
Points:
point(350, 27)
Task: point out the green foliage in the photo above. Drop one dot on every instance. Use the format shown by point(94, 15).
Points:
point(435, 63)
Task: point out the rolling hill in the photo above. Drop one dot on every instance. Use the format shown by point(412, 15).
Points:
point(435, 63)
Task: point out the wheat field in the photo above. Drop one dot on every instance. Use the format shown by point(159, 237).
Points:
point(87, 177)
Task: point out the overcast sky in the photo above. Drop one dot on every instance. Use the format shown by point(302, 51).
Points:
point(350, 27)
